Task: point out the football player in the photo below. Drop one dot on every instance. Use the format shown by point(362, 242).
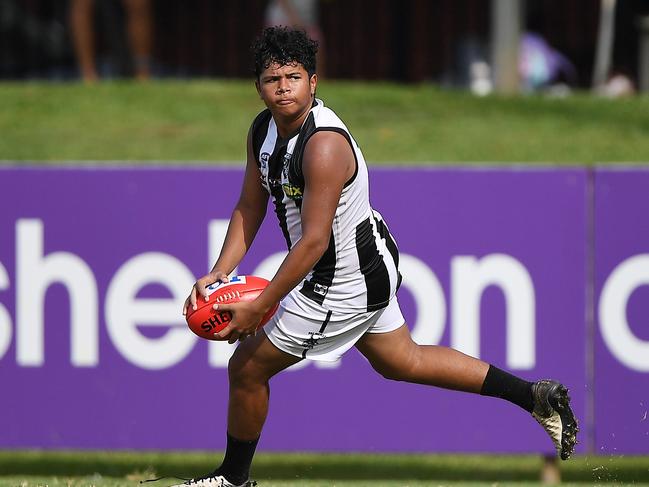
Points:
point(337, 286)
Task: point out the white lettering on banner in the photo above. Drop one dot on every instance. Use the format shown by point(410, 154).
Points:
point(5, 317)
point(216, 232)
point(34, 274)
point(268, 267)
point(469, 278)
point(125, 312)
point(430, 302)
point(218, 352)
point(621, 283)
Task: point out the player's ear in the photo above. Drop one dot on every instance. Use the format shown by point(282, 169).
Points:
point(313, 82)
point(258, 87)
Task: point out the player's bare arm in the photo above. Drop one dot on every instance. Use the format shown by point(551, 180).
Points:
point(328, 164)
point(245, 221)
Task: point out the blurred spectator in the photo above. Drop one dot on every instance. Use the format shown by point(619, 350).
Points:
point(541, 66)
point(618, 85)
point(302, 14)
point(480, 84)
point(139, 30)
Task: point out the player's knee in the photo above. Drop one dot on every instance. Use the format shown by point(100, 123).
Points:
point(243, 370)
point(389, 372)
point(392, 371)
point(400, 369)
point(238, 369)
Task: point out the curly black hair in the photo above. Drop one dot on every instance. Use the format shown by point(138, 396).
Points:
point(283, 45)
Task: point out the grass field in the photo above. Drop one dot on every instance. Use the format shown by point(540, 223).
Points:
point(208, 120)
point(104, 469)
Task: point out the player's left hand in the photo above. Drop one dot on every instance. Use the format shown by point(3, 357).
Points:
point(245, 319)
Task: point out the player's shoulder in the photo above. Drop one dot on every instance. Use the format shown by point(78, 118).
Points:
point(326, 117)
point(329, 150)
point(260, 120)
point(259, 129)
point(328, 128)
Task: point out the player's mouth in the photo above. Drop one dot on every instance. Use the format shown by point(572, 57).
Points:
point(285, 101)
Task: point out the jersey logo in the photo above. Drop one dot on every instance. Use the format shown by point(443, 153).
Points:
point(290, 190)
point(312, 341)
point(264, 160)
point(209, 290)
point(320, 289)
point(293, 192)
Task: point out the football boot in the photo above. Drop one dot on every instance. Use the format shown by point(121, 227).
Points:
point(212, 480)
point(552, 411)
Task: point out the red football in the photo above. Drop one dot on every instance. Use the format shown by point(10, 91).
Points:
point(205, 321)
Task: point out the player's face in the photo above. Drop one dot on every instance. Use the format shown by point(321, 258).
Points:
point(287, 90)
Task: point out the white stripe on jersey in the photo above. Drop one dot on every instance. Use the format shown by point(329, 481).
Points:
point(359, 271)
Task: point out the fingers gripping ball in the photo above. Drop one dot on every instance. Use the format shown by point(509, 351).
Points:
point(205, 321)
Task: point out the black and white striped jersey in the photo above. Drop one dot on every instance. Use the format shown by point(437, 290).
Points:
point(359, 270)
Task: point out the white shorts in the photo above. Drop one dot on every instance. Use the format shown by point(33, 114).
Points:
point(315, 333)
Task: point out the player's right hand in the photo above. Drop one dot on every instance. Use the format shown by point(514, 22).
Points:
point(198, 289)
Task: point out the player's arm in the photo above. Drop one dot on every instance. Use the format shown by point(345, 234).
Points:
point(328, 163)
point(247, 216)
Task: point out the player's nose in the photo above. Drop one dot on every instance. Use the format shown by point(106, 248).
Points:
point(283, 86)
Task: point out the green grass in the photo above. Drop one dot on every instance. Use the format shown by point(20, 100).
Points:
point(99, 481)
point(208, 121)
point(32, 468)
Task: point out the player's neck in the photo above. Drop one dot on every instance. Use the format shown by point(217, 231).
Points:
point(288, 127)
point(287, 133)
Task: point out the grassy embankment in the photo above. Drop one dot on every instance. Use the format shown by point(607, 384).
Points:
point(419, 124)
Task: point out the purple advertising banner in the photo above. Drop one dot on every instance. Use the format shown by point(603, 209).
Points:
point(96, 263)
point(621, 385)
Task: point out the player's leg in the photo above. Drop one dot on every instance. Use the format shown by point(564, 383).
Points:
point(254, 362)
point(396, 356)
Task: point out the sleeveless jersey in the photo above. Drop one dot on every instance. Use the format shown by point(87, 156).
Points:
point(359, 270)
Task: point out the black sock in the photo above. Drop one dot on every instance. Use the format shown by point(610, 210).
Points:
point(238, 458)
point(499, 383)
